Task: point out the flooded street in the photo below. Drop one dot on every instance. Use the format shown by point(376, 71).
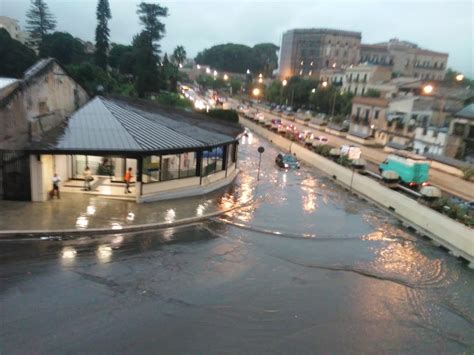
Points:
point(305, 267)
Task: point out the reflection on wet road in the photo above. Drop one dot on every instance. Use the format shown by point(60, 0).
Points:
point(305, 268)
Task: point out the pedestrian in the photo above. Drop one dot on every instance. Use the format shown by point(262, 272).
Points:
point(87, 178)
point(128, 178)
point(56, 181)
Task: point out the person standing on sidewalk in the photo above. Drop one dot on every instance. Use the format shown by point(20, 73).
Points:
point(128, 178)
point(56, 181)
point(87, 178)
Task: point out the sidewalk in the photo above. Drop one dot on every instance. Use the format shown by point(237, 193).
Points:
point(83, 212)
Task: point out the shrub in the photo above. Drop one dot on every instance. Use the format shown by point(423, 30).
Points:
point(225, 115)
point(468, 172)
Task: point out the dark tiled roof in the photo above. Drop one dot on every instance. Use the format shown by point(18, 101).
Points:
point(466, 112)
point(114, 125)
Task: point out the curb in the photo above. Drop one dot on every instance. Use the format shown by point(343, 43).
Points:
point(28, 234)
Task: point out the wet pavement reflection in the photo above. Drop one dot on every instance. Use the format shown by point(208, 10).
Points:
point(304, 267)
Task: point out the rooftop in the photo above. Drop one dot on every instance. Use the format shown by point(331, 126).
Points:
point(466, 112)
point(370, 101)
point(122, 125)
point(325, 31)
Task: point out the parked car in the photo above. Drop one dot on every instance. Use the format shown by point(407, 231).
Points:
point(287, 161)
point(288, 115)
point(281, 128)
point(308, 137)
point(260, 118)
point(319, 140)
point(275, 123)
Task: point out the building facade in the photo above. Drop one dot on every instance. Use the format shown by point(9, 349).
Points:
point(305, 52)
point(358, 79)
point(13, 28)
point(431, 140)
point(406, 59)
point(368, 119)
point(38, 102)
point(171, 153)
point(461, 135)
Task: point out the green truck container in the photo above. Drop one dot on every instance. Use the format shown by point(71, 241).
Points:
point(412, 169)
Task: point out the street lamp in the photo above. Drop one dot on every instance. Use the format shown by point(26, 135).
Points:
point(208, 71)
point(459, 77)
point(284, 82)
point(248, 71)
point(324, 84)
point(260, 80)
point(428, 89)
point(256, 92)
point(260, 75)
point(226, 77)
point(198, 66)
point(313, 90)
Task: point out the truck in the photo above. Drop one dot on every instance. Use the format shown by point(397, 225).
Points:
point(413, 169)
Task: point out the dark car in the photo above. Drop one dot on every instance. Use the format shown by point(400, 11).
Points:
point(287, 161)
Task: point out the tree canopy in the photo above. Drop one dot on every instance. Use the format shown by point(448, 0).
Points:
point(15, 57)
point(179, 55)
point(102, 33)
point(40, 22)
point(237, 58)
point(62, 46)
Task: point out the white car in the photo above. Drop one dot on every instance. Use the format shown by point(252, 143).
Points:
point(260, 118)
point(320, 140)
point(308, 137)
point(281, 128)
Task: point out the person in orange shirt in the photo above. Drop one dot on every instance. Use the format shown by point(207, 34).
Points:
point(128, 178)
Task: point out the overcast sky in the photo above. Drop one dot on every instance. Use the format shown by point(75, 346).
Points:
point(445, 26)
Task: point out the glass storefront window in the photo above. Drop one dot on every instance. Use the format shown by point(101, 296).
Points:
point(212, 160)
point(169, 167)
point(151, 169)
point(187, 165)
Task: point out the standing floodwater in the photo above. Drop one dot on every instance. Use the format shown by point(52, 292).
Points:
point(305, 267)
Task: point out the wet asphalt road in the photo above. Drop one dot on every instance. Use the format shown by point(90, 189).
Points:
point(306, 268)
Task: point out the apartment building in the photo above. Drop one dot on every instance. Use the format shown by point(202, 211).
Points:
point(368, 119)
point(306, 52)
point(358, 79)
point(406, 59)
point(13, 28)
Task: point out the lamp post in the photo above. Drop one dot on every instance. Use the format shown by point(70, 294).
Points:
point(260, 151)
point(283, 84)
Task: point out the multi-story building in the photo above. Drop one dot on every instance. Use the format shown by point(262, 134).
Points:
point(406, 59)
point(368, 119)
point(358, 79)
point(305, 52)
point(461, 135)
point(431, 140)
point(13, 28)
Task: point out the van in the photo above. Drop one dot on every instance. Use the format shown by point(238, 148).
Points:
point(412, 169)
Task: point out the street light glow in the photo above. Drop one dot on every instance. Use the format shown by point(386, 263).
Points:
point(215, 72)
point(428, 89)
point(208, 71)
point(324, 84)
point(248, 71)
point(313, 90)
point(256, 92)
point(198, 66)
point(260, 75)
point(459, 77)
point(284, 82)
point(226, 77)
point(260, 80)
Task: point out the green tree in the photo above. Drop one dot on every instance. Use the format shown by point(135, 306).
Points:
point(265, 55)
point(102, 33)
point(15, 57)
point(237, 58)
point(62, 46)
point(146, 47)
point(40, 22)
point(230, 57)
point(149, 15)
point(179, 55)
point(169, 75)
point(122, 58)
